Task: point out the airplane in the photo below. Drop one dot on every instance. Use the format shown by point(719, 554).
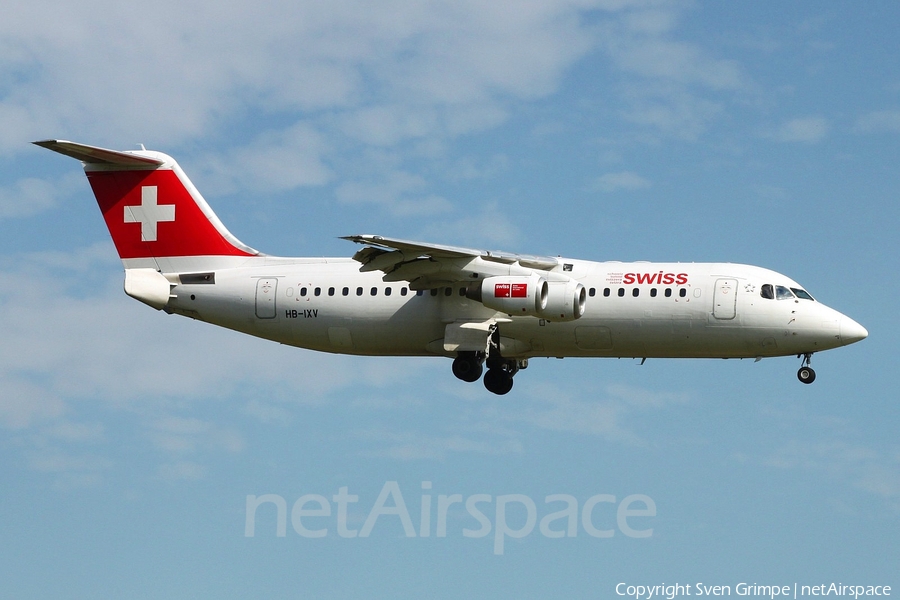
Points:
point(481, 308)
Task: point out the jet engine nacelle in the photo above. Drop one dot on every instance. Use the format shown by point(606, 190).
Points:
point(525, 296)
point(565, 301)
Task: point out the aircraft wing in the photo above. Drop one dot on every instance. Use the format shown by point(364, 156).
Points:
point(427, 265)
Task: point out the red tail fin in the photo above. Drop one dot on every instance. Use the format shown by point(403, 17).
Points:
point(151, 208)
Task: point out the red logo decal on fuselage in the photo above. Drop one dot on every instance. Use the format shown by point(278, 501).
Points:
point(660, 278)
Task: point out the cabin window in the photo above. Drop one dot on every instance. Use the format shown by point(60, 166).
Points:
point(373, 291)
point(767, 292)
point(318, 291)
point(606, 292)
point(331, 291)
point(345, 291)
point(782, 293)
point(359, 291)
point(668, 292)
point(403, 291)
point(434, 292)
point(636, 292)
point(653, 292)
point(303, 291)
point(592, 292)
point(448, 291)
point(621, 292)
point(462, 291)
point(682, 292)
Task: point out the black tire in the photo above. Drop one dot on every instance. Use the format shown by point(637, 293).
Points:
point(467, 368)
point(498, 381)
point(806, 375)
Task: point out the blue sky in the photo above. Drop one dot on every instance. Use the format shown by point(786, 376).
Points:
point(762, 133)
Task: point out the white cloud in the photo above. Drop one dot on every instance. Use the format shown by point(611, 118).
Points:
point(346, 73)
point(183, 470)
point(23, 403)
point(865, 467)
point(490, 225)
point(176, 72)
point(880, 121)
point(603, 413)
point(30, 196)
point(70, 470)
point(666, 84)
point(274, 161)
point(669, 108)
point(661, 59)
point(74, 432)
point(417, 446)
point(624, 180)
point(26, 197)
point(402, 193)
point(181, 435)
point(806, 130)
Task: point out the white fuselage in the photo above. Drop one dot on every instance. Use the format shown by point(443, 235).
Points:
point(689, 310)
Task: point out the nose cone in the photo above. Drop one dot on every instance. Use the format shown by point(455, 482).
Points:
point(851, 331)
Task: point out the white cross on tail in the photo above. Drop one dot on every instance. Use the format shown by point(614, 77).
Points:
point(149, 213)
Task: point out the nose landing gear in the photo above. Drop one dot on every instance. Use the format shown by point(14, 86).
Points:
point(806, 373)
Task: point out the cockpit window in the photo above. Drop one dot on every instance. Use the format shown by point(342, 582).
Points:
point(802, 294)
point(767, 292)
point(782, 293)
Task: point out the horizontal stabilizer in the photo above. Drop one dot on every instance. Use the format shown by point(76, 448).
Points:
point(95, 155)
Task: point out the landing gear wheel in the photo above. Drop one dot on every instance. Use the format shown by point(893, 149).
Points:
point(467, 367)
point(806, 375)
point(498, 381)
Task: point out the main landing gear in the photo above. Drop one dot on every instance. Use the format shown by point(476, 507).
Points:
point(469, 365)
point(499, 378)
point(806, 374)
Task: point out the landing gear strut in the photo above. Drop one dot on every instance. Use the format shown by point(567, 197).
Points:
point(806, 374)
point(499, 377)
